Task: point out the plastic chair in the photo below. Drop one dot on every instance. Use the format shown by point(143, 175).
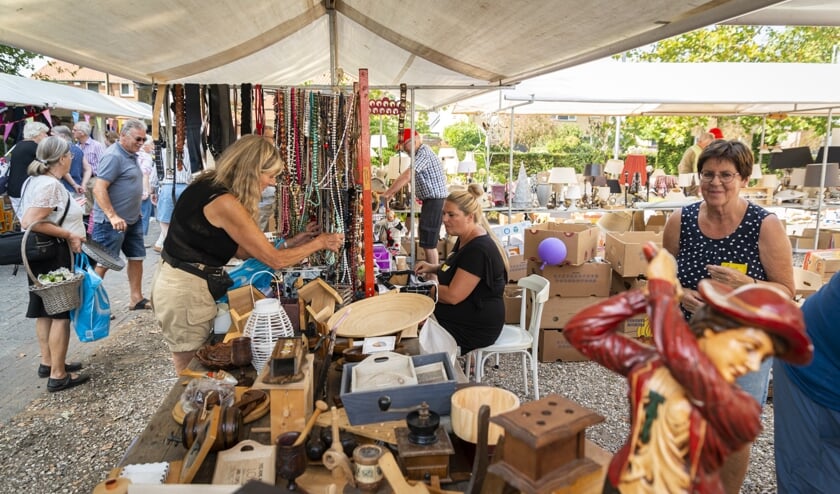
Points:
point(523, 338)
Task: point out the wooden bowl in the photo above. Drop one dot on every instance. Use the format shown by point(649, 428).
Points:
point(465, 405)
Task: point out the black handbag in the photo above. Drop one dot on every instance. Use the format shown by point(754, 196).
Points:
point(39, 247)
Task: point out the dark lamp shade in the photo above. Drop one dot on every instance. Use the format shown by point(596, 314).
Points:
point(592, 170)
point(615, 186)
point(599, 181)
point(791, 158)
point(813, 173)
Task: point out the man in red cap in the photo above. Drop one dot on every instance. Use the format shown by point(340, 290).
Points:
point(431, 189)
point(716, 132)
point(687, 413)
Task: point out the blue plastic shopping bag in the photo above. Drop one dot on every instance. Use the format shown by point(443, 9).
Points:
point(92, 320)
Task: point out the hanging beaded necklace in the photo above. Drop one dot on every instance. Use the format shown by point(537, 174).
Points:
point(259, 109)
point(180, 125)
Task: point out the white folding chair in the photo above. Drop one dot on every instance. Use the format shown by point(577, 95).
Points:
point(523, 338)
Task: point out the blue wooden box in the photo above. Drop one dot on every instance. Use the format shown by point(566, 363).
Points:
point(363, 406)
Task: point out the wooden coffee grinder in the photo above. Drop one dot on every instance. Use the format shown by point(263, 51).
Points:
point(544, 447)
point(424, 447)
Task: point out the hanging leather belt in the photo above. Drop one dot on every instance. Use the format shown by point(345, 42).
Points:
point(198, 269)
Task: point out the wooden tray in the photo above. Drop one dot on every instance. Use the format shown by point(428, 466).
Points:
point(178, 413)
point(248, 460)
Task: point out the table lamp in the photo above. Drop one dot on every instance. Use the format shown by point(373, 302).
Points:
point(613, 168)
point(449, 158)
point(467, 165)
point(590, 173)
point(564, 177)
point(573, 194)
point(398, 163)
point(686, 180)
point(813, 176)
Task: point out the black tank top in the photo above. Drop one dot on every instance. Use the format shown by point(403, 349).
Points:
point(191, 237)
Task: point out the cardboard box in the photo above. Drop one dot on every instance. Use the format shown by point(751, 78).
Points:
point(621, 284)
point(421, 253)
point(581, 240)
point(656, 223)
point(513, 304)
point(624, 251)
point(590, 279)
point(518, 268)
point(637, 327)
point(823, 262)
point(558, 310)
point(363, 408)
point(554, 346)
point(804, 239)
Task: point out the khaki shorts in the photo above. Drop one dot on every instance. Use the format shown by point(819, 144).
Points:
point(184, 308)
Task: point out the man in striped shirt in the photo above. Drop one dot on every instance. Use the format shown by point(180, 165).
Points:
point(93, 151)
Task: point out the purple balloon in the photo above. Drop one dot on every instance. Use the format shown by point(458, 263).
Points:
point(552, 251)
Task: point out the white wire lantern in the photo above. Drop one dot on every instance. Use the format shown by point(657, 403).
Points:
point(267, 323)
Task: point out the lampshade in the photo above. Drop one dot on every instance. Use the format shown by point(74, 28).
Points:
point(756, 172)
point(562, 176)
point(613, 167)
point(771, 181)
point(599, 181)
point(797, 177)
point(592, 170)
point(447, 153)
point(813, 174)
point(450, 164)
point(796, 157)
point(398, 164)
point(763, 149)
point(687, 179)
point(614, 185)
point(467, 165)
point(378, 141)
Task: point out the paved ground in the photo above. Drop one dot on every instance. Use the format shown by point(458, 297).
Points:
point(19, 352)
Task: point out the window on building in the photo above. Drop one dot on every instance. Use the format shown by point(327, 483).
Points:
point(565, 118)
point(126, 89)
point(93, 86)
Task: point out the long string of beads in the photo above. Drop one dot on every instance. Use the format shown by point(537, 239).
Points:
point(180, 125)
point(259, 110)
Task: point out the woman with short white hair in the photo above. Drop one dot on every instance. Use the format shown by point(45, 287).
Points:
point(22, 155)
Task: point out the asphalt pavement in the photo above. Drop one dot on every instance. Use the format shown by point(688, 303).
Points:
point(19, 351)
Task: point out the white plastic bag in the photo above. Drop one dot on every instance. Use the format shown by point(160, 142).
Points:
point(435, 339)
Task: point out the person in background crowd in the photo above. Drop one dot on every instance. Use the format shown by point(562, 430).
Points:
point(147, 166)
point(93, 151)
point(716, 132)
point(111, 137)
point(688, 163)
point(806, 404)
point(21, 156)
point(472, 279)
point(214, 220)
point(431, 189)
point(171, 188)
point(77, 178)
point(45, 198)
point(733, 241)
point(116, 214)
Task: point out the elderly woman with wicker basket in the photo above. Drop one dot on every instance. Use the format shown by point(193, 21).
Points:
point(46, 209)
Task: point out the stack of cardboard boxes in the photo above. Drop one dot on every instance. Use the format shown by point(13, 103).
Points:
point(823, 262)
point(582, 280)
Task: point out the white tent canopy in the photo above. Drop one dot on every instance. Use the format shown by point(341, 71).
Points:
point(16, 90)
point(611, 87)
point(430, 44)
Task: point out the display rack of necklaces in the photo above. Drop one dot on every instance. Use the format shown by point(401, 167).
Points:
point(314, 132)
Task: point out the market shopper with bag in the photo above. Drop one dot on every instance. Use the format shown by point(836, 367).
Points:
point(44, 198)
point(214, 220)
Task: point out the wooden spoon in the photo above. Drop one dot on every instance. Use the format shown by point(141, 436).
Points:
point(320, 406)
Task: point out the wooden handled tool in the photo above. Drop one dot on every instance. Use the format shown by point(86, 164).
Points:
point(320, 406)
point(334, 458)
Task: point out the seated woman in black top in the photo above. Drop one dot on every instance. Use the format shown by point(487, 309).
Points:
point(473, 277)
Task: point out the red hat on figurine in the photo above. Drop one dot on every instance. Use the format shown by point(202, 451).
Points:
point(716, 132)
point(763, 307)
point(406, 137)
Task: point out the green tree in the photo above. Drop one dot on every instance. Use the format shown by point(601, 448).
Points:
point(14, 60)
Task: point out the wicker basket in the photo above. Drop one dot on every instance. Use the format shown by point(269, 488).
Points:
point(57, 297)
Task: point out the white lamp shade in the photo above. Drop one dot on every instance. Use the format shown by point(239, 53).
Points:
point(771, 181)
point(687, 179)
point(562, 176)
point(378, 141)
point(756, 172)
point(468, 164)
point(614, 167)
point(574, 192)
point(447, 153)
point(603, 193)
point(450, 165)
point(398, 164)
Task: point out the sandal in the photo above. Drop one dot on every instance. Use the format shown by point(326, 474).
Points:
point(143, 304)
point(68, 382)
point(45, 370)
